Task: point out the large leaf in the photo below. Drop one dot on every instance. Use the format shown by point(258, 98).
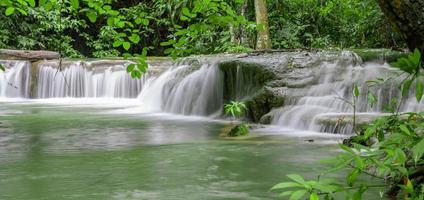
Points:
point(75, 4)
point(415, 58)
point(92, 16)
point(297, 178)
point(9, 11)
point(126, 45)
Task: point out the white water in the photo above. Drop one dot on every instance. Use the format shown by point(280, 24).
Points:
point(185, 89)
point(78, 80)
point(199, 89)
point(14, 82)
point(329, 97)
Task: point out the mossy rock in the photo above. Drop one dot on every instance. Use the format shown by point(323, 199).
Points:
point(382, 55)
point(235, 130)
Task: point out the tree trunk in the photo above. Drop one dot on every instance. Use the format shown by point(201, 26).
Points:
point(263, 40)
point(407, 16)
point(244, 38)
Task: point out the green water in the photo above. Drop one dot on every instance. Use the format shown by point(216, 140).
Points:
point(71, 152)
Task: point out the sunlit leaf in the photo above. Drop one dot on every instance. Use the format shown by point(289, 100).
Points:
point(92, 16)
point(126, 45)
point(130, 67)
point(9, 11)
point(75, 4)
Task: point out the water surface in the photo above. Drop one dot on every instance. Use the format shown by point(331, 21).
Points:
point(70, 151)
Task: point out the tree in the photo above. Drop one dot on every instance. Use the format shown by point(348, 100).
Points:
point(407, 16)
point(263, 40)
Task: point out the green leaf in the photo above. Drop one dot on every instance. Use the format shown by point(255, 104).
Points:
point(41, 2)
point(130, 67)
point(409, 186)
point(167, 43)
point(286, 193)
point(117, 43)
point(126, 45)
point(314, 196)
point(297, 195)
point(186, 12)
point(110, 21)
point(405, 129)
point(134, 38)
point(31, 3)
point(418, 150)
point(372, 99)
point(415, 58)
point(405, 87)
point(92, 16)
point(346, 148)
point(297, 178)
point(356, 90)
point(9, 11)
point(2, 68)
point(75, 4)
point(184, 18)
point(22, 11)
point(135, 74)
point(138, 74)
point(419, 90)
point(285, 185)
point(369, 132)
point(351, 178)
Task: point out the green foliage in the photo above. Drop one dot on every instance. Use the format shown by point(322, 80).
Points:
point(2, 68)
point(390, 149)
point(337, 23)
point(235, 109)
point(108, 28)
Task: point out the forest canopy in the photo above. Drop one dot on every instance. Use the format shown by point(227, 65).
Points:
point(110, 28)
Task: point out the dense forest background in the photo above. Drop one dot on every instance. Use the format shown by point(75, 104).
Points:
point(292, 24)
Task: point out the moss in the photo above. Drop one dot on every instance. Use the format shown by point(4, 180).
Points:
point(369, 55)
point(235, 130)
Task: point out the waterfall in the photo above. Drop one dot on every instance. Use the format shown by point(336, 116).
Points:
point(78, 79)
point(316, 87)
point(187, 88)
point(328, 98)
point(15, 81)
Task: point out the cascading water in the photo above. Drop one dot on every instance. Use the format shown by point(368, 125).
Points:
point(312, 89)
point(186, 88)
point(15, 81)
point(332, 94)
point(78, 80)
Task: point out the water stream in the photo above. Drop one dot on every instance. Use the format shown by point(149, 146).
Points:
point(90, 131)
